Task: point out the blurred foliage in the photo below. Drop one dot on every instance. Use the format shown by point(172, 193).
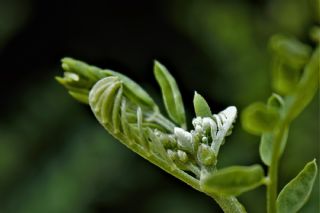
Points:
point(54, 157)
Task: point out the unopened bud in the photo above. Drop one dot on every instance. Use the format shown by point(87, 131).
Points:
point(183, 157)
point(172, 154)
point(206, 155)
point(184, 139)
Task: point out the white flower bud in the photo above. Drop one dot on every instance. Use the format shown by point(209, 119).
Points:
point(184, 139)
point(183, 157)
point(172, 154)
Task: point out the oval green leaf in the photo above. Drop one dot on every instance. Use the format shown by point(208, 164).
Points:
point(257, 118)
point(201, 106)
point(265, 148)
point(296, 193)
point(233, 180)
point(171, 94)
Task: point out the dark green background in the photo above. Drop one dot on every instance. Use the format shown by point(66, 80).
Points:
point(56, 158)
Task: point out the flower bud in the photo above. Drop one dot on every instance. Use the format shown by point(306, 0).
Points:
point(184, 139)
point(206, 155)
point(172, 154)
point(183, 157)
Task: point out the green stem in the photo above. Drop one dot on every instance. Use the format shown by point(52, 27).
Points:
point(294, 104)
point(229, 204)
point(273, 170)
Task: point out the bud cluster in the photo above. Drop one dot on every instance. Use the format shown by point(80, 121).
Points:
point(196, 151)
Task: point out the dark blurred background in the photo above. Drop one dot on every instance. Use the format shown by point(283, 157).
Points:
point(56, 158)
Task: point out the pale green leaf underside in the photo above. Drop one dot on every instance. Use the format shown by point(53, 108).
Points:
point(296, 193)
point(233, 180)
point(265, 148)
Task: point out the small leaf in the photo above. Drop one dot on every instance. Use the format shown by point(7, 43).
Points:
point(116, 111)
point(296, 193)
point(82, 97)
point(275, 101)
point(171, 94)
point(133, 90)
point(291, 51)
point(102, 98)
point(233, 180)
point(307, 88)
point(265, 149)
point(201, 107)
point(257, 118)
point(315, 31)
point(284, 78)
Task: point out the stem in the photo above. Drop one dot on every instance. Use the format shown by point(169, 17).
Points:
point(273, 170)
point(294, 104)
point(229, 204)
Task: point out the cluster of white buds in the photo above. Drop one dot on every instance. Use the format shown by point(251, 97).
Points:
point(197, 150)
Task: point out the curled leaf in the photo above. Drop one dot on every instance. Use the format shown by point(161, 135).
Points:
point(275, 101)
point(79, 78)
point(133, 90)
point(289, 59)
point(291, 51)
point(233, 180)
point(284, 78)
point(257, 118)
point(171, 94)
point(201, 107)
point(296, 193)
point(102, 99)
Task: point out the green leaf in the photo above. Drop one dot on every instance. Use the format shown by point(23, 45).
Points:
point(315, 31)
point(201, 107)
point(257, 118)
point(233, 180)
point(132, 90)
point(291, 51)
point(275, 101)
point(307, 88)
point(82, 97)
point(171, 94)
point(102, 98)
point(296, 193)
point(284, 78)
point(265, 148)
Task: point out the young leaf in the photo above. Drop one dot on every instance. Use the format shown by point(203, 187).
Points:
point(133, 90)
point(284, 78)
point(201, 107)
point(257, 118)
point(291, 51)
point(295, 194)
point(233, 180)
point(265, 148)
point(171, 94)
point(307, 88)
point(315, 31)
point(275, 101)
